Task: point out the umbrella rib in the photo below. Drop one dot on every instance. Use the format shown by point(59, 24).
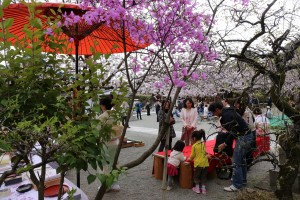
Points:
point(128, 42)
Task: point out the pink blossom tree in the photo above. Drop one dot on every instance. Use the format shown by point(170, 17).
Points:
point(180, 36)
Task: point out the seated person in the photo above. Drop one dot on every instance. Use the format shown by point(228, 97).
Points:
point(262, 123)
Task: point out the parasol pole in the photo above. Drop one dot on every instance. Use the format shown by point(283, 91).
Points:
point(75, 94)
point(76, 56)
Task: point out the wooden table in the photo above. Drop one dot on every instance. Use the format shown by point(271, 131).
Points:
point(186, 168)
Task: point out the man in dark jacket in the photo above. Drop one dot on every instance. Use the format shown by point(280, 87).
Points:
point(239, 130)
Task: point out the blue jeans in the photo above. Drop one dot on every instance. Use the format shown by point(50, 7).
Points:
point(242, 146)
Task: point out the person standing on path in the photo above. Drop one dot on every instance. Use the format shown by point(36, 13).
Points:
point(188, 117)
point(269, 103)
point(262, 123)
point(106, 120)
point(138, 109)
point(157, 108)
point(162, 114)
point(248, 116)
point(125, 107)
point(238, 129)
point(148, 107)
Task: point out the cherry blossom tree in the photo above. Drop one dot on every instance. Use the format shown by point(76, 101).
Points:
point(260, 50)
point(261, 44)
point(265, 56)
point(179, 32)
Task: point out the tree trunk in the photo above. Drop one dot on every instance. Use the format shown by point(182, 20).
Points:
point(289, 171)
point(101, 192)
point(148, 152)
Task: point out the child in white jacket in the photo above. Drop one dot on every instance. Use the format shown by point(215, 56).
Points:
point(176, 157)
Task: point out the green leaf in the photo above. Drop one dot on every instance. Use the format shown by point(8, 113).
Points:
point(6, 3)
point(36, 23)
point(91, 178)
point(7, 23)
point(53, 12)
point(93, 163)
point(4, 146)
point(90, 139)
point(107, 56)
point(109, 181)
point(101, 177)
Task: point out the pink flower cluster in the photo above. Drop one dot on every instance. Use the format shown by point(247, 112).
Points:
point(175, 25)
point(168, 23)
point(177, 77)
point(244, 2)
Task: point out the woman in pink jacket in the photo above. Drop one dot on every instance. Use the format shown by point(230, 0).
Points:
point(188, 117)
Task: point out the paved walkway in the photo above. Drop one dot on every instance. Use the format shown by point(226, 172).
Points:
point(149, 125)
point(138, 182)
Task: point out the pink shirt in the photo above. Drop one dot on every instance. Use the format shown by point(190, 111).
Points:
point(189, 117)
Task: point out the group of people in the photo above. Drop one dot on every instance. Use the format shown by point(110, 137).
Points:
point(188, 117)
point(190, 135)
point(237, 121)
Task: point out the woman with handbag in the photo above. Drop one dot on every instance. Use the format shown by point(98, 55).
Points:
point(162, 114)
point(188, 117)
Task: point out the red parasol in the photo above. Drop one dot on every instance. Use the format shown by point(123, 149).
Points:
point(102, 38)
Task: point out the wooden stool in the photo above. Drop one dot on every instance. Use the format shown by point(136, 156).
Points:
point(158, 167)
point(186, 175)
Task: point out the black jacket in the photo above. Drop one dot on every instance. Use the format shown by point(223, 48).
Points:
point(234, 124)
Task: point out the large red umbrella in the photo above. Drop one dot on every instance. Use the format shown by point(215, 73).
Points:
point(102, 38)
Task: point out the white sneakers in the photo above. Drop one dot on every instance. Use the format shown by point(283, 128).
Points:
point(169, 188)
point(115, 187)
point(231, 188)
